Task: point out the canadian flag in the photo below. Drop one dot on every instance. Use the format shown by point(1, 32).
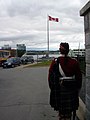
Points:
point(53, 19)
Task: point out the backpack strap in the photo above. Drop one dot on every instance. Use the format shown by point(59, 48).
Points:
point(63, 75)
point(60, 68)
point(61, 71)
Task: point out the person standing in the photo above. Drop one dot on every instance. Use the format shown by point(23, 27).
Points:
point(65, 81)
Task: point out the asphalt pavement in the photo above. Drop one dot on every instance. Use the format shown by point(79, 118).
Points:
point(24, 94)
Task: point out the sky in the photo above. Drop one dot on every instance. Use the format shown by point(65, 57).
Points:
point(25, 22)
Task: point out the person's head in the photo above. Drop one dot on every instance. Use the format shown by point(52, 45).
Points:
point(64, 48)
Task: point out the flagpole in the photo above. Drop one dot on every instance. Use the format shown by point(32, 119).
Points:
point(47, 36)
point(49, 18)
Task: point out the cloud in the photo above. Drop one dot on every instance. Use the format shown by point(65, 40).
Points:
point(25, 21)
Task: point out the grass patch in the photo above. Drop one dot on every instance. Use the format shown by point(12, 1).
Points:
point(48, 62)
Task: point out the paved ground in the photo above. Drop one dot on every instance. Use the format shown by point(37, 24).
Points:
point(24, 94)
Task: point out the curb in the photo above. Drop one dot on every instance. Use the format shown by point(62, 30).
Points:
point(81, 110)
point(23, 66)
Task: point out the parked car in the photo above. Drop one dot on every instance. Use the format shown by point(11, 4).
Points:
point(27, 58)
point(11, 62)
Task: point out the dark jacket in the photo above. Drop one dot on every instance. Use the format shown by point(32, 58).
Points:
point(64, 98)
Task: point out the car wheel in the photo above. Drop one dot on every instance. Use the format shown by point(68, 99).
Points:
point(32, 61)
point(4, 66)
point(13, 66)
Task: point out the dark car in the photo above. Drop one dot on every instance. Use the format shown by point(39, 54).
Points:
point(25, 59)
point(11, 62)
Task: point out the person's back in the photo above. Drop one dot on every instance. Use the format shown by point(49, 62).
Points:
point(64, 87)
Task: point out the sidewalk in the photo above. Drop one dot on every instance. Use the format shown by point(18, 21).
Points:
point(81, 110)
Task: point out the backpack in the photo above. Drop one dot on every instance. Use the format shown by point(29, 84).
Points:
point(59, 79)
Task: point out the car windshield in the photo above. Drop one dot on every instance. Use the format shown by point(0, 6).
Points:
point(23, 57)
point(10, 60)
point(31, 57)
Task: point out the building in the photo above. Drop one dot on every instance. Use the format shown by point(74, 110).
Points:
point(77, 52)
point(85, 11)
point(21, 49)
point(6, 47)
